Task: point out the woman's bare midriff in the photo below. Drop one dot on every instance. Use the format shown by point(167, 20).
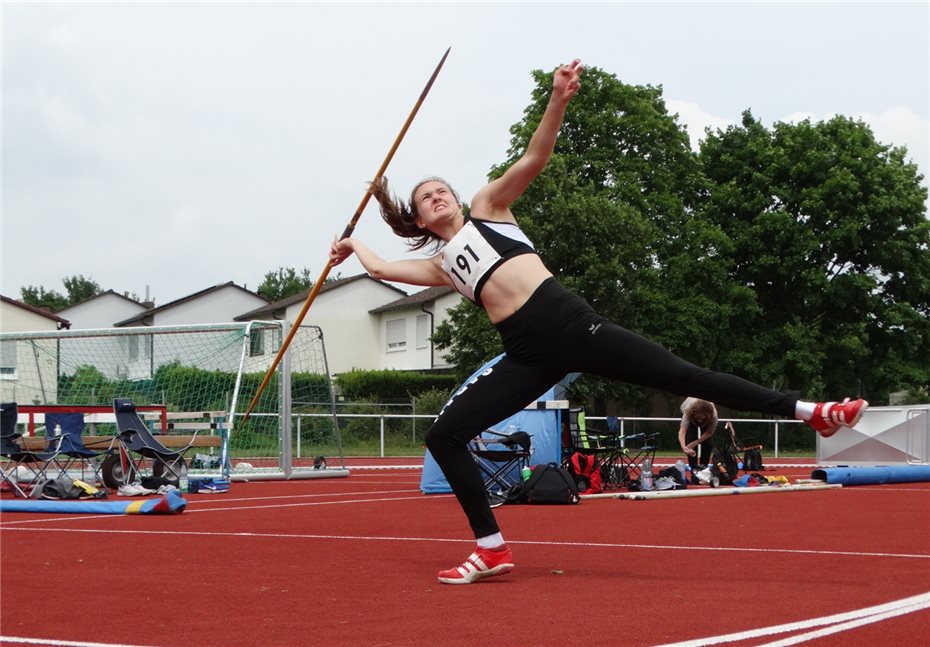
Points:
point(511, 285)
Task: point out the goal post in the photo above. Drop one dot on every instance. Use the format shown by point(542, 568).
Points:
point(204, 376)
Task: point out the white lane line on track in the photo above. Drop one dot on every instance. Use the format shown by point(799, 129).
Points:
point(62, 643)
point(832, 624)
point(224, 499)
point(572, 544)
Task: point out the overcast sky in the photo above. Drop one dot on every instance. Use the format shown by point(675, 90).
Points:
point(166, 147)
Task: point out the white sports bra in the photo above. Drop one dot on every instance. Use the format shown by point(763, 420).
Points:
point(478, 249)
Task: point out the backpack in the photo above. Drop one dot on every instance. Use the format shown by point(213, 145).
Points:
point(725, 466)
point(586, 471)
point(66, 489)
point(547, 484)
point(752, 460)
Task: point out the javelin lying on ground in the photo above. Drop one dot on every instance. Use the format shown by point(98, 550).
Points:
point(345, 234)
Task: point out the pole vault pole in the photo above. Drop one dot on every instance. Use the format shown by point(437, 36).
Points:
point(345, 234)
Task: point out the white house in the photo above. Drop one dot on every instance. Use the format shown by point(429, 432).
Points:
point(406, 326)
point(137, 356)
point(22, 363)
point(103, 311)
point(218, 304)
point(353, 314)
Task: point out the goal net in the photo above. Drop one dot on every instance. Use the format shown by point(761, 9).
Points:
point(203, 376)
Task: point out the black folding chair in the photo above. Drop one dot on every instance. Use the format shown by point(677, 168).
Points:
point(137, 445)
point(577, 438)
point(501, 458)
point(36, 463)
point(627, 454)
point(73, 450)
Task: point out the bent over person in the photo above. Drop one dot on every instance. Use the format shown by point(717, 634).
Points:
point(546, 330)
point(696, 432)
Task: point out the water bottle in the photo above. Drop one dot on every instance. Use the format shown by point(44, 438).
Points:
point(647, 475)
point(183, 482)
point(526, 472)
point(683, 468)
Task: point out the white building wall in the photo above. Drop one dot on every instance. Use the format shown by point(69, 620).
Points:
point(101, 312)
point(16, 319)
point(352, 336)
point(220, 306)
point(36, 365)
point(412, 357)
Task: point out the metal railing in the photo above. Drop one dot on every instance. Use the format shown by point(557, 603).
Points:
point(622, 421)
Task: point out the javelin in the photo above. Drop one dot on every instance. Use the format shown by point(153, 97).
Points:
point(345, 234)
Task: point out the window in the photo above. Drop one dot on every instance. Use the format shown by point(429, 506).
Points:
point(256, 343)
point(422, 331)
point(7, 360)
point(140, 347)
point(396, 335)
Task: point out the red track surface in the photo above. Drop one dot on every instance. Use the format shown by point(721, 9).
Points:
point(353, 561)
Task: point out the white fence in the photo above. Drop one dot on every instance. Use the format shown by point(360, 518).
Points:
point(777, 426)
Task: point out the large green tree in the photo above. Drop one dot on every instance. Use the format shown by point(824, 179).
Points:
point(77, 287)
point(829, 230)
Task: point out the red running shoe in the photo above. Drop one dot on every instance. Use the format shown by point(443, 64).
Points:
point(484, 562)
point(830, 416)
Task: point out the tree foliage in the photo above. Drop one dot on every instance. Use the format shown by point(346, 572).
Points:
point(829, 231)
point(78, 289)
point(284, 282)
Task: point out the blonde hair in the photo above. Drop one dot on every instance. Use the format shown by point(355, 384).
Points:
point(402, 217)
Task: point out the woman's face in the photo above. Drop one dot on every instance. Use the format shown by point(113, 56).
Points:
point(433, 201)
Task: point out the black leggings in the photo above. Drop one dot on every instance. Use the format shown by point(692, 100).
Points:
point(553, 334)
point(706, 448)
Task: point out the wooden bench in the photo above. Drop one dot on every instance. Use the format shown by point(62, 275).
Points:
point(100, 443)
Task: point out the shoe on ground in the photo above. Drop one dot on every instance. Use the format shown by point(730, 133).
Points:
point(130, 489)
point(484, 562)
point(830, 416)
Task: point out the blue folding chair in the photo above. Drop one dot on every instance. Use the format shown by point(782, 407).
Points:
point(71, 427)
point(37, 463)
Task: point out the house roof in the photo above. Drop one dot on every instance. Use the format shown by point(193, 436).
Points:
point(269, 310)
point(190, 297)
point(423, 296)
point(62, 322)
point(104, 294)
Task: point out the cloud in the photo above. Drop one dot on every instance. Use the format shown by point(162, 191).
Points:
point(695, 119)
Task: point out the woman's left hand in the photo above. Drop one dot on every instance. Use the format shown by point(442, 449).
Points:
point(567, 80)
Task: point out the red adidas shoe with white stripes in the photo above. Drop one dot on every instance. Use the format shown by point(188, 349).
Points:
point(484, 562)
point(830, 416)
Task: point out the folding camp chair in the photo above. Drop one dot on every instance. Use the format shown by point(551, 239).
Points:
point(750, 448)
point(137, 445)
point(501, 457)
point(73, 450)
point(628, 453)
point(36, 463)
point(578, 438)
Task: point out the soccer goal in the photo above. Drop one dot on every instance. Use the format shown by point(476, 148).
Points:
point(196, 380)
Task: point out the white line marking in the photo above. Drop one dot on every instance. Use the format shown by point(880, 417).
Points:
point(65, 643)
point(223, 499)
point(844, 621)
point(573, 544)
